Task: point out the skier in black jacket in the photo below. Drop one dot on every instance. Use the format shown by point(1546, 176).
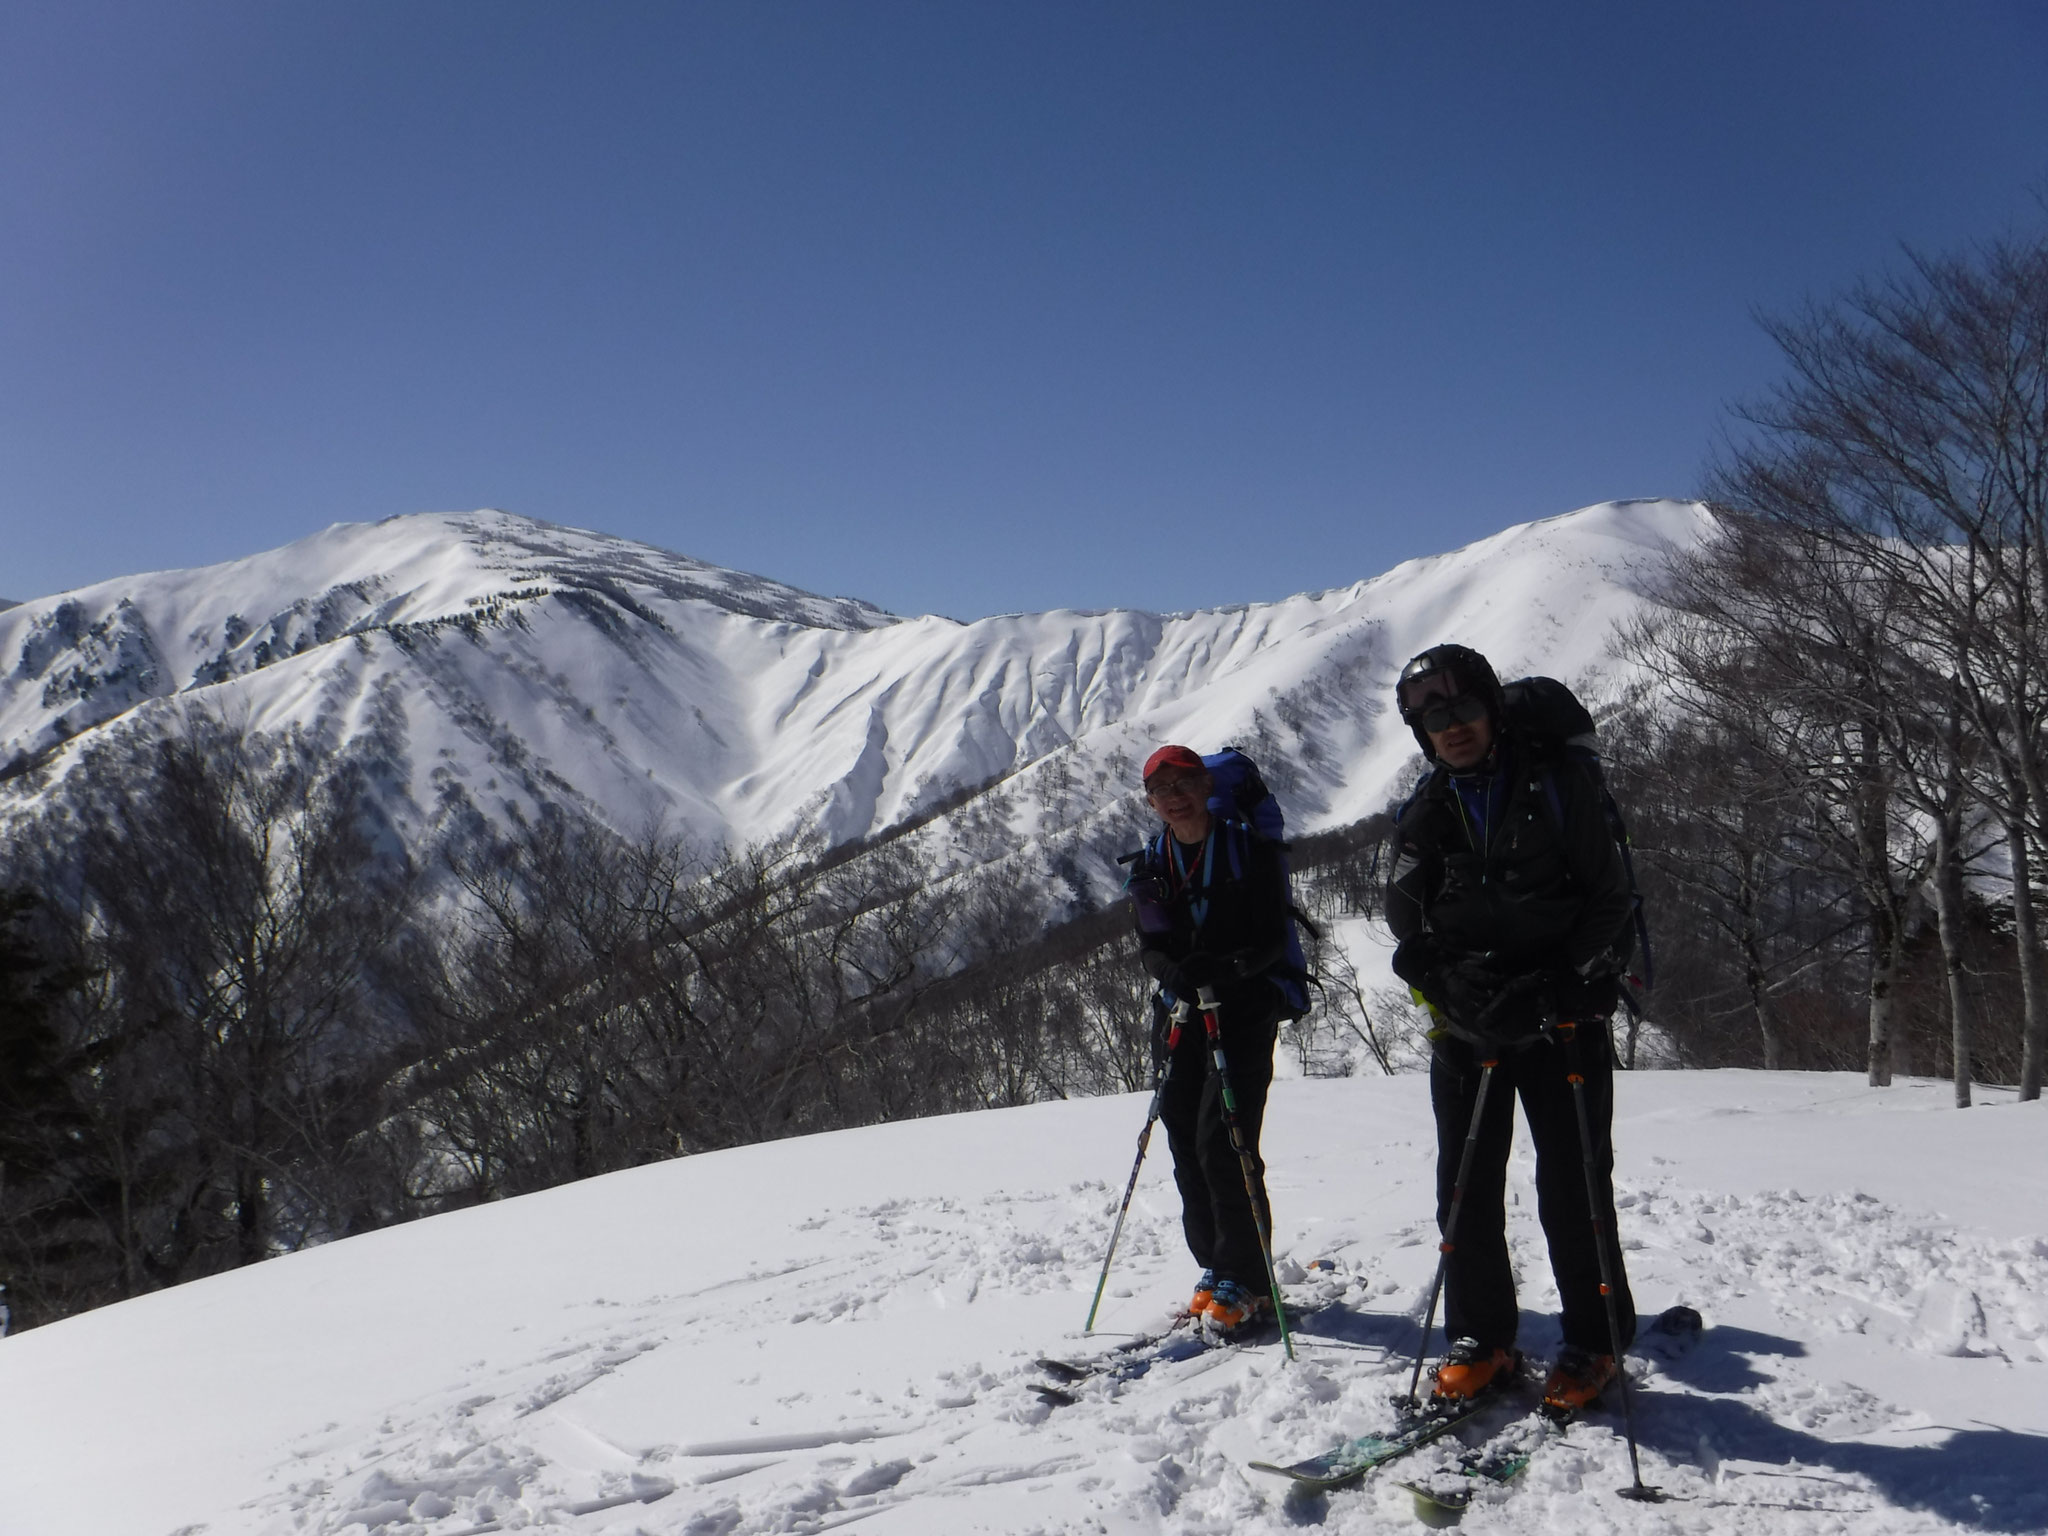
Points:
point(1211, 902)
point(1509, 899)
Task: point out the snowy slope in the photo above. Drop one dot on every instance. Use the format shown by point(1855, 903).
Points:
point(489, 660)
point(804, 1334)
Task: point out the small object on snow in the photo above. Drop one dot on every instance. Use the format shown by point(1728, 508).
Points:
point(1670, 1334)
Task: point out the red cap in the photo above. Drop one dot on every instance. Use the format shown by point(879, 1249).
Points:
point(1173, 757)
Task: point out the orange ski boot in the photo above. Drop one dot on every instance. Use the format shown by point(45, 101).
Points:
point(1577, 1381)
point(1232, 1306)
point(1470, 1368)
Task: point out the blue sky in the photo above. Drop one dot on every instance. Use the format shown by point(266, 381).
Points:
point(957, 307)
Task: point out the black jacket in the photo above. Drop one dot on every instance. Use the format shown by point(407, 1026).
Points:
point(1544, 888)
point(1228, 909)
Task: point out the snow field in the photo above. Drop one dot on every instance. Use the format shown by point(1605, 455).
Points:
point(840, 1330)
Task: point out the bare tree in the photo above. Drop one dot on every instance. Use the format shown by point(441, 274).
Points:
point(1780, 642)
point(1910, 437)
point(222, 900)
point(1749, 905)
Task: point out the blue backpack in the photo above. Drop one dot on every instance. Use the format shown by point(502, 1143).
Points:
point(1247, 809)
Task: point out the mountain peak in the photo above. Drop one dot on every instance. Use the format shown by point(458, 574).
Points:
point(499, 663)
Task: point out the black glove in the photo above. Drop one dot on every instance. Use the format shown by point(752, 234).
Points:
point(1184, 977)
point(1591, 991)
point(1415, 957)
point(1194, 972)
point(1464, 990)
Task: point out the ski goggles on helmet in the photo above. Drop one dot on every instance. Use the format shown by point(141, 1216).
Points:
point(1440, 714)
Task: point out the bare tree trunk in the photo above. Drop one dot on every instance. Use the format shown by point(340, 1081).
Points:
point(2026, 933)
point(1754, 970)
point(1887, 933)
point(2027, 936)
point(1951, 922)
point(1886, 941)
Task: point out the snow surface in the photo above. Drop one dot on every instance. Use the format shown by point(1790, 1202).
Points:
point(488, 661)
point(840, 1330)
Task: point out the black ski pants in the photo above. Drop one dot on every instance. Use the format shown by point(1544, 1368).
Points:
point(1215, 1212)
point(1479, 1283)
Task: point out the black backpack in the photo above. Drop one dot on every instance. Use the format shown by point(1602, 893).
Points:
point(1550, 723)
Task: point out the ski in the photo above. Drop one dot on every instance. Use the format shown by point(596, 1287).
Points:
point(1351, 1461)
point(1181, 1339)
point(1500, 1459)
point(1495, 1462)
point(1121, 1362)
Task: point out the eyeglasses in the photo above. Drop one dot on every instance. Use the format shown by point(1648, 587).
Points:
point(1166, 789)
point(1439, 714)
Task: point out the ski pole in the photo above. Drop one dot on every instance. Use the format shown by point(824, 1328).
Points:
point(1176, 1019)
point(1450, 1232)
point(1638, 1490)
point(1207, 998)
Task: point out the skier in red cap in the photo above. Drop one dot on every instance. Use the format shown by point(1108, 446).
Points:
point(1210, 896)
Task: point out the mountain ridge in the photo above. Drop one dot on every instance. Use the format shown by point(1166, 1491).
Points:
point(495, 664)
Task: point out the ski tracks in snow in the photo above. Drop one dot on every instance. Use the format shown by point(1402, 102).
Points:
point(879, 1376)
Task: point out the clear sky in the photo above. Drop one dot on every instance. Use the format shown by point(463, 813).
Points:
point(960, 307)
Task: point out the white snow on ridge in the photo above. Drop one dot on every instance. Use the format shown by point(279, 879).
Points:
point(839, 1329)
point(505, 661)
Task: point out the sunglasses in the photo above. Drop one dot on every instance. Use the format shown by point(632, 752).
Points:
point(1162, 789)
point(1440, 714)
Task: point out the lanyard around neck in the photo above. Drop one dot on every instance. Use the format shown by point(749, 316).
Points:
point(1198, 906)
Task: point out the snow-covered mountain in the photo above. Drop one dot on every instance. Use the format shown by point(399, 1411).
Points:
point(840, 1330)
point(490, 661)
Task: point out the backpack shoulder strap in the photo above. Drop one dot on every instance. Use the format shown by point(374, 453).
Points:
point(1423, 786)
point(1547, 774)
point(1237, 834)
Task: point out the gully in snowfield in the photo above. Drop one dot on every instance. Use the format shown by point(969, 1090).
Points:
point(1210, 896)
point(1512, 908)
